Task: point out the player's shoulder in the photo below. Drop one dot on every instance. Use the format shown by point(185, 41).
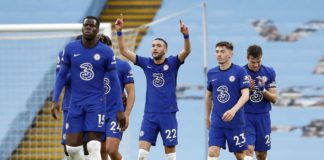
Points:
point(122, 63)
point(213, 70)
point(267, 69)
point(73, 43)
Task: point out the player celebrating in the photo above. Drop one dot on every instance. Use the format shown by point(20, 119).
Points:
point(114, 133)
point(88, 61)
point(227, 90)
point(161, 79)
point(263, 92)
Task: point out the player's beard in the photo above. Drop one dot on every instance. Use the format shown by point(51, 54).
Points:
point(158, 56)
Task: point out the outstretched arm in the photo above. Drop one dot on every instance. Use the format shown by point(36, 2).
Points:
point(121, 44)
point(187, 48)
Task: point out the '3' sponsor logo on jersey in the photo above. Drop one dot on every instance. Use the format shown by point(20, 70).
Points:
point(87, 73)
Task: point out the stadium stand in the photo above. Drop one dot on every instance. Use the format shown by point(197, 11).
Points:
point(138, 12)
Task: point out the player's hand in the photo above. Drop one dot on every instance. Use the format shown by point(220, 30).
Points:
point(207, 123)
point(183, 28)
point(228, 115)
point(121, 120)
point(55, 108)
point(126, 122)
point(252, 84)
point(119, 24)
point(261, 81)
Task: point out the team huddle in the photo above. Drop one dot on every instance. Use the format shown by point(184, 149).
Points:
point(99, 96)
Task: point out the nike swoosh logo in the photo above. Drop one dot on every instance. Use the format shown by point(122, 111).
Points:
point(75, 55)
point(149, 67)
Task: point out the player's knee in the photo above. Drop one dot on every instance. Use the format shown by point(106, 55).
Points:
point(74, 152)
point(171, 156)
point(143, 154)
point(112, 151)
point(261, 155)
point(239, 155)
point(249, 151)
point(213, 152)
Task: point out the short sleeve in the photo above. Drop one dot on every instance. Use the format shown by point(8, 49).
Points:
point(175, 60)
point(272, 79)
point(244, 79)
point(141, 61)
point(209, 83)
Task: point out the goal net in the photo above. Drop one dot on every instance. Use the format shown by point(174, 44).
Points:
point(28, 60)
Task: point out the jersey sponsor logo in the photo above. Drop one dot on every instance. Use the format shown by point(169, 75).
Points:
point(107, 85)
point(76, 55)
point(256, 96)
point(165, 67)
point(231, 78)
point(158, 80)
point(87, 73)
point(223, 94)
point(96, 57)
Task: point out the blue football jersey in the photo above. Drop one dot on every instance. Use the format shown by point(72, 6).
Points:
point(257, 103)
point(88, 67)
point(67, 91)
point(161, 81)
point(125, 76)
point(226, 86)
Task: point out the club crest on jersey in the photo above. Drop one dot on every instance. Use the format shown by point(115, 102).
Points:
point(96, 57)
point(165, 67)
point(231, 78)
point(264, 78)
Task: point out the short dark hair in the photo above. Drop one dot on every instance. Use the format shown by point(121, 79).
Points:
point(104, 39)
point(254, 51)
point(226, 44)
point(94, 18)
point(161, 39)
